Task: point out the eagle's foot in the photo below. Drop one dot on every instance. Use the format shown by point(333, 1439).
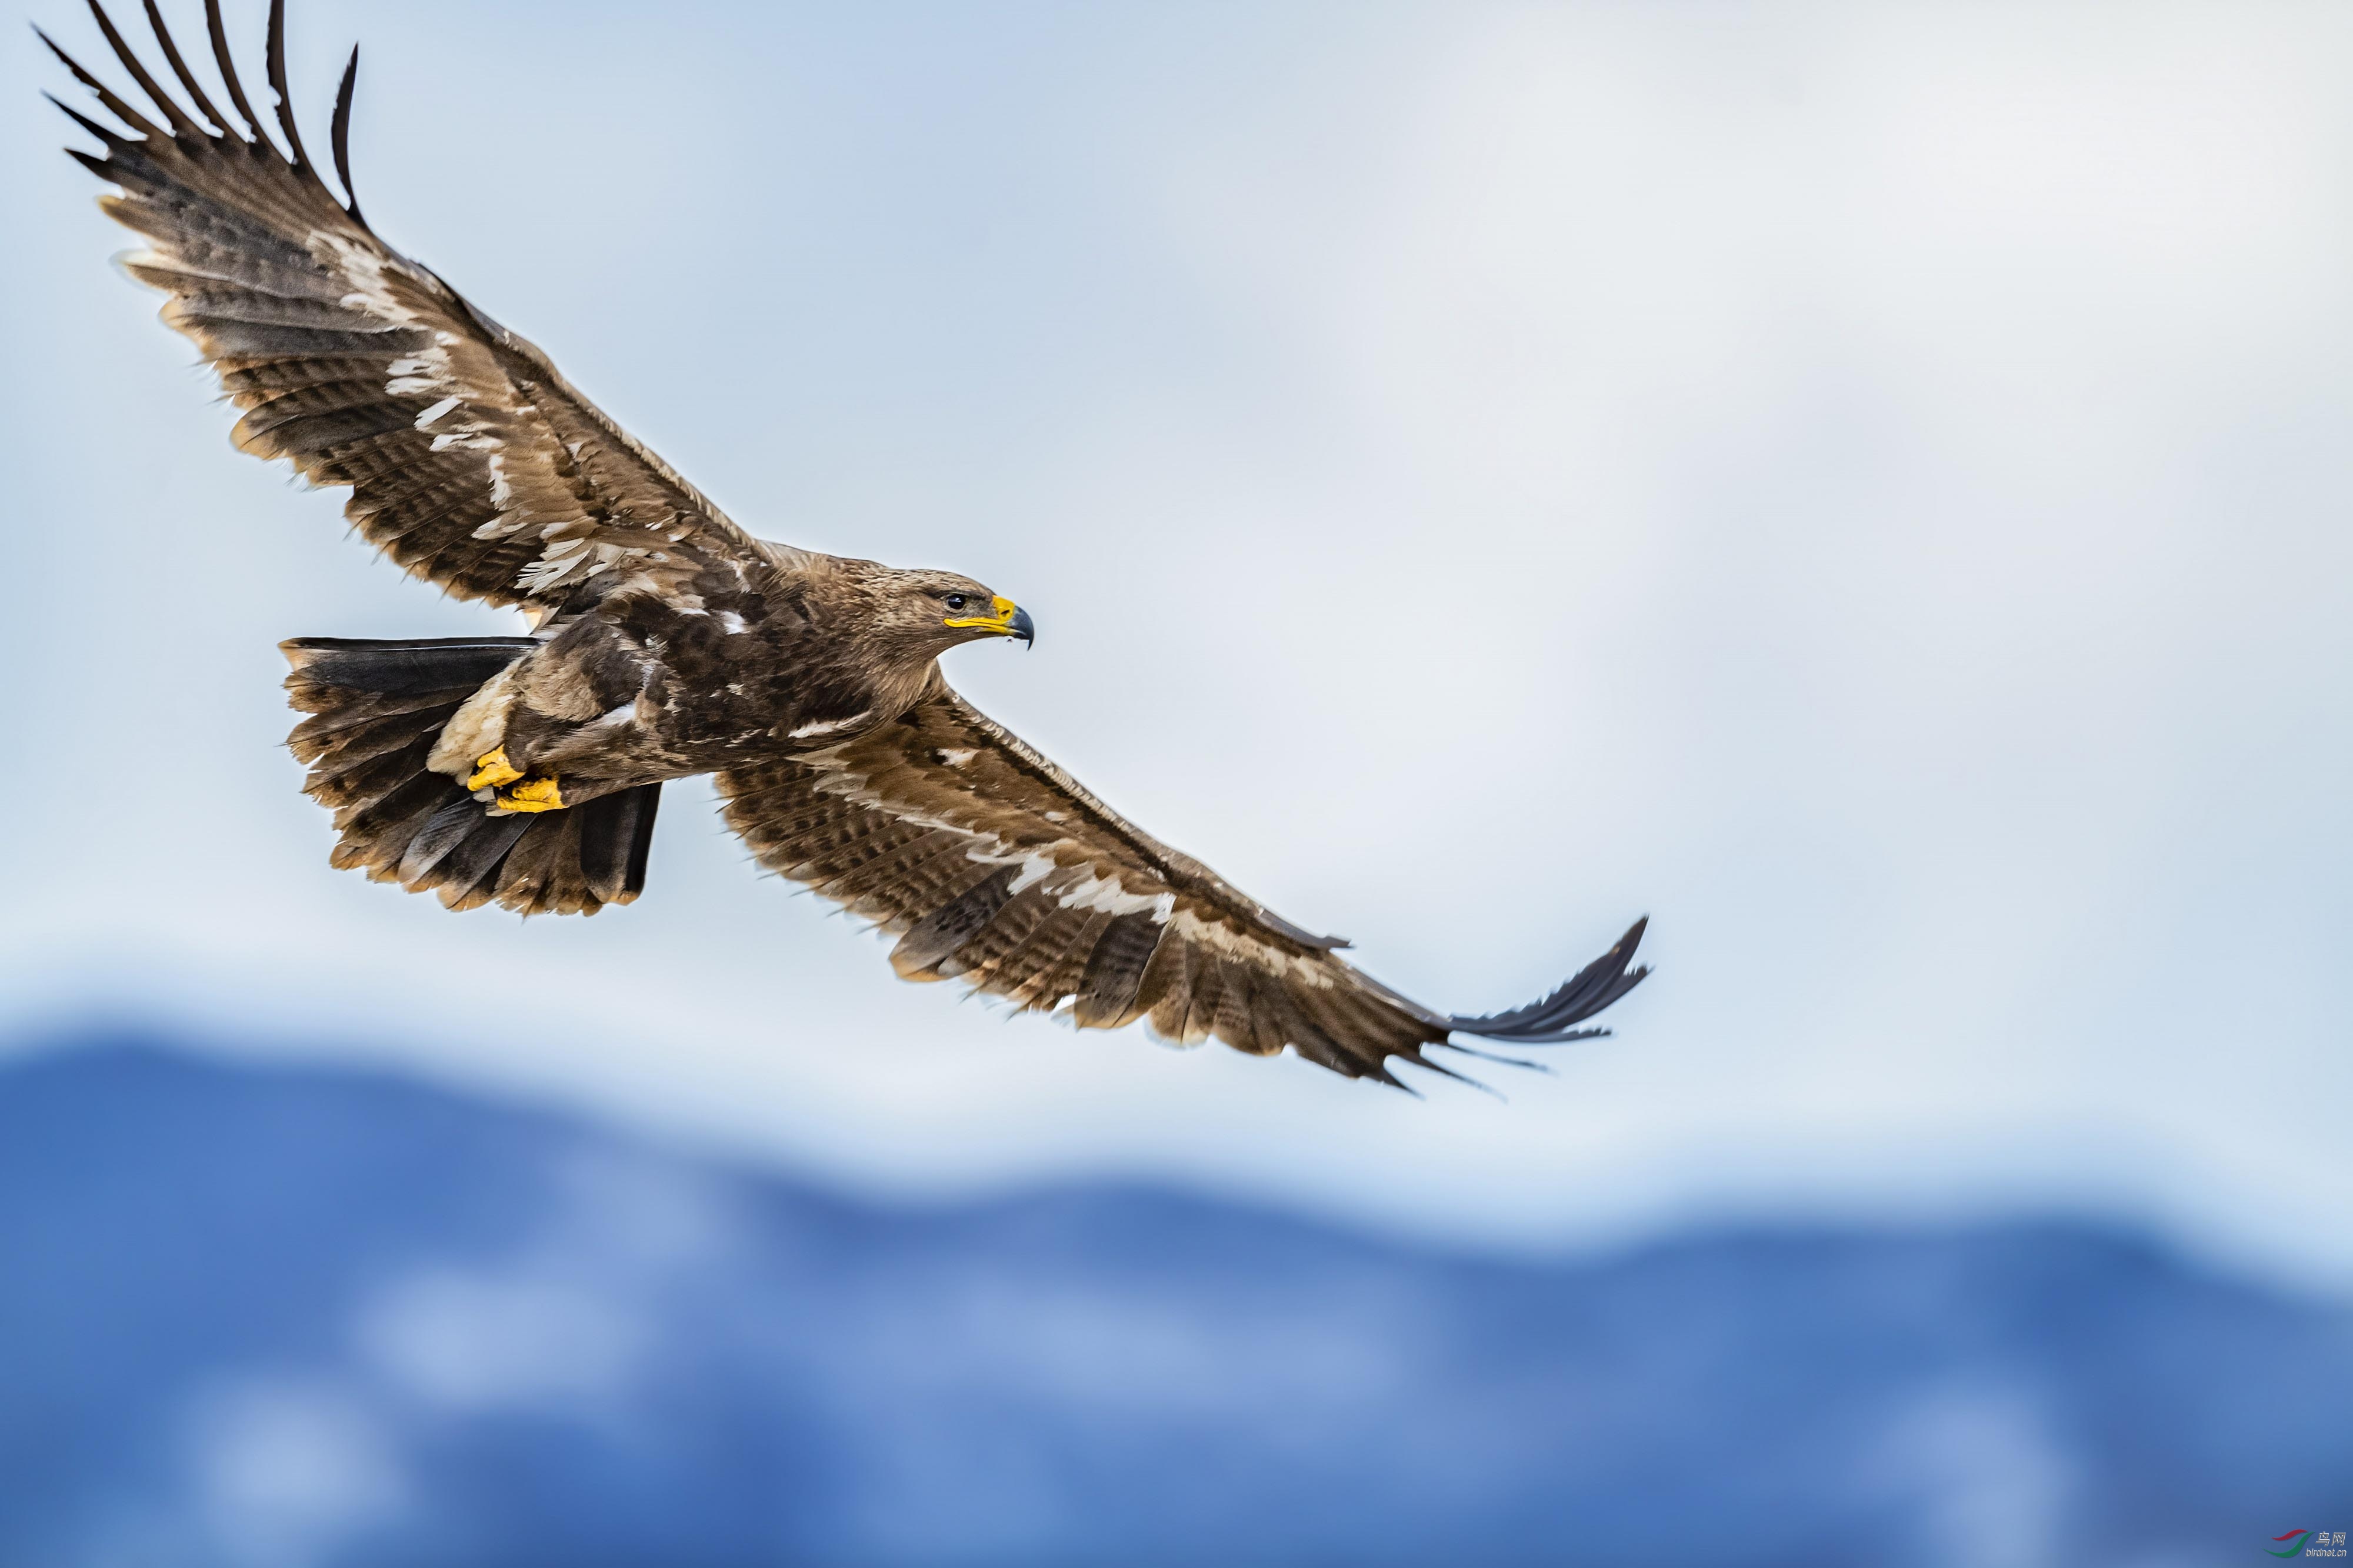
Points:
point(530, 794)
point(492, 771)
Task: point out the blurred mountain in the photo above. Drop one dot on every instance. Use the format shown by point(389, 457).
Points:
point(282, 1317)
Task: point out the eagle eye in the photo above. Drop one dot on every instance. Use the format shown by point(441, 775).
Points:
point(955, 601)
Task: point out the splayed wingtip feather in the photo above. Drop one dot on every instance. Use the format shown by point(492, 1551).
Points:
point(1548, 1020)
point(339, 136)
point(163, 101)
point(172, 57)
point(227, 66)
point(275, 64)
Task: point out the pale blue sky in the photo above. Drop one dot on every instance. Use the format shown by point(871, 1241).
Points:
point(1864, 484)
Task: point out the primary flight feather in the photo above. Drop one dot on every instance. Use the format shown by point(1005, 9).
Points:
point(669, 642)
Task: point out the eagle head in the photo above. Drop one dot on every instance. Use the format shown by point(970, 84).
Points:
point(931, 612)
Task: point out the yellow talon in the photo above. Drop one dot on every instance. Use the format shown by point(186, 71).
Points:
point(492, 771)
point(532, 795)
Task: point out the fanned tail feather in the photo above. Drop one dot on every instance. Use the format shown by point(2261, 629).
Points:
point(376, 710)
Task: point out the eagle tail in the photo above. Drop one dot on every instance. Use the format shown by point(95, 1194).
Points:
point(375, 710)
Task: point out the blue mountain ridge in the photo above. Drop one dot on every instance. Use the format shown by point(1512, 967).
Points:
point(284, 1316)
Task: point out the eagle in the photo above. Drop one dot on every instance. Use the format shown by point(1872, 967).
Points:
point(666, 642)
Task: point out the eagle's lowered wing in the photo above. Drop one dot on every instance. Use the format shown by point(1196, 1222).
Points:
point(992, 866)
point(471, 462)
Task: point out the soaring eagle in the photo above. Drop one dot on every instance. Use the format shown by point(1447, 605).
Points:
point(667, 641)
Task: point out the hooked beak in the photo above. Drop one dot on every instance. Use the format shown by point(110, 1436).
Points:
point(1010, 620)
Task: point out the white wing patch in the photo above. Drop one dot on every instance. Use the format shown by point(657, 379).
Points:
point(567, 558)
point(425, 420)
point(1104, 893)
point(425, 372)
point(826, 726)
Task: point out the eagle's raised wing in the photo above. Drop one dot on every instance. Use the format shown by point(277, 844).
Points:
point(993, 865)
point(471, 462)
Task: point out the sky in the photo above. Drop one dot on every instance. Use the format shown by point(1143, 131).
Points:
point(1864, 485)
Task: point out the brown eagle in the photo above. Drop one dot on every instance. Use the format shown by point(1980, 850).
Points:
point(667, 641)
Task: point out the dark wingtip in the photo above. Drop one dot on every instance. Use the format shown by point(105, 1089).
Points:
point(1554, 1019)
point(140, 124)
point(1423, 1062)
point(163, 101)
point(87, 123)
point(339, 135)
point(226, 64)
point(173, 57)
point(274, 64)
point(1500, 1060)
point(64, 58)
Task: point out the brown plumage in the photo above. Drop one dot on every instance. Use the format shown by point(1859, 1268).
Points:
point(669, 642)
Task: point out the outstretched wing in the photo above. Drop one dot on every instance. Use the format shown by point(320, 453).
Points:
point(471, 462)
point(993, 865)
